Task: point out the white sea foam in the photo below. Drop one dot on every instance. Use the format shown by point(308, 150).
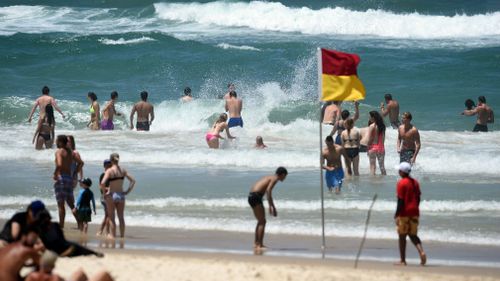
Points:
point(274, 16)
point(122, 41)
point(226, 46)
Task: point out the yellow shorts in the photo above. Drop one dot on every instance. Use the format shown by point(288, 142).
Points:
point(408, 225)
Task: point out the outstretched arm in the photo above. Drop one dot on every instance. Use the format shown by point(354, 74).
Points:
point(417, 147)
point(54, 104)
point(356, 111)
point(33, 111)
point(470, 112)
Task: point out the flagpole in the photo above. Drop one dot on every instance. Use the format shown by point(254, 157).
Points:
point(320, 70)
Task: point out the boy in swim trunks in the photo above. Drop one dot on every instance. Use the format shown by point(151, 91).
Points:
point(334, 173)
point(109, 112)
point(234, 106)
point(82, 210)
point(407, 212)
point(262, 187)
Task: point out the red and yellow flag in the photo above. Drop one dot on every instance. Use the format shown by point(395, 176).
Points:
point(339, 77)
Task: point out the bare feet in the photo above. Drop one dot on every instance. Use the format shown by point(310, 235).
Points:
point(401, 263)
point(423, 259)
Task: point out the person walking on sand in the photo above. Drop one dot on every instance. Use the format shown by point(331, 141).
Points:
point(187, 95)
point(42, 102)
point(114, 194)
point(334, 173)
point(44, 134)
point(350, 141)
point(376, 139)
point(105, 221)
point(264, 186)
point(234, 105)
point(484, 115)
point(145, 114)
point(95, 113)
point(63, 187)
point(213, 136)
point(407, 212)
point(109, 112)
point(392, 110)
point(408, 144)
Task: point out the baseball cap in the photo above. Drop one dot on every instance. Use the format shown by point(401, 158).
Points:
point(404, 167)
point(87, 182)
point(36, 207)
point(106, 162)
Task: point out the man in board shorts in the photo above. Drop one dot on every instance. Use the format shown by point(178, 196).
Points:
point(63, 187)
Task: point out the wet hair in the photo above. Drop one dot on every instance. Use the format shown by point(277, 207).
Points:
point(259, 140)
point(281, 171)
point(378, 121)
point(114, 158)
point(482, 99)
point(49, 113)
point(407, 115)
point(345, 114)
point(329, 139)
point(92, 96)
point(233, 94)
point(229, 85)
point(114, 95)
point(144, 95)
point(45, 90)
point(72, 140)
point(388, 96)
point(349, 123)
point(63, 140)
point(222, 117)
point(469, 104)
point(187, 91)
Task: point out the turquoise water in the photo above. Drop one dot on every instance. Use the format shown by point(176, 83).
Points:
point(430, 56)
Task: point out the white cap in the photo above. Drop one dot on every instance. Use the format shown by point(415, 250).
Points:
point(404, 167)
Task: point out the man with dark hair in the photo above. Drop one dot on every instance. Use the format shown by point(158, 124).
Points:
point(407, 212)
point(42, 102)
point(332, 156)
point(21, 223)
point(484, 115)
point(392, 110)
point(230, 88)
point(63, 187)
point(262, 187)
point(109, 112)
point(145, 113)
point(187, 95)
point(234, 105)
point(408, 144)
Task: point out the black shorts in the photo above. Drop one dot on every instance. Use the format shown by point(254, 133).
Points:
point(142, 126)
point(480, 128)
point(255, 199)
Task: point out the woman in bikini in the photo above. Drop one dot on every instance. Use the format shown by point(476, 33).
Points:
point(376, 149)
point(350, 141)
point(95, 116)
point(114, 194)
point(213, 136)
point(44, 133)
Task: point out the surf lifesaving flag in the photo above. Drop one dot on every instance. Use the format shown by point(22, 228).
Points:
point(339, 77)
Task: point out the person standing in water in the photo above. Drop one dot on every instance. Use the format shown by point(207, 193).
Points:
point(234, 105)
point(44, 133)
point(392, 110)
point(109, 112)
point(95, 112)
point(213, 136)
point(42, 102)
point(332, 163)
point(145, 113)
point(484, 115)
point(408, 144)
point(187, 95)
point(262, 187)
point(350, 141)
point(376, 147)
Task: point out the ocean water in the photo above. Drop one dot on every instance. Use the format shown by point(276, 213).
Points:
point(430, 56)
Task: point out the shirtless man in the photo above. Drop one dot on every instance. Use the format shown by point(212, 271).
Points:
point(145, 113)
point(63, 186)
point(484, 115)
point(331, 112)
point(108, 113)
point(42, 102)
point(14, 256)
point(334, 173)
point(392, 110)
point(187, 95)
point(408, 144)
point(234, 105)
point(262, 187)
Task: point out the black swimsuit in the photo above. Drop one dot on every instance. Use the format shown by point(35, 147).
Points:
point(255, 199)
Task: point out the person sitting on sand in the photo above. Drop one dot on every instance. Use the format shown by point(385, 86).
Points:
point(407, 212)
point(21, 223)
point(47, 265)
point(44, 134)
point(114, 194)
point(262, 187)
point(259, 143)
point(213, 136)
point(14, 256)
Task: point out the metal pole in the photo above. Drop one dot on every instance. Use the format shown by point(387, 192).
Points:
point(323, 242)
